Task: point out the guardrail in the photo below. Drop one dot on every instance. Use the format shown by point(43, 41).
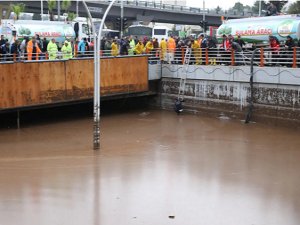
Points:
point(179, 8)
point(204, 56)
point(219, 56)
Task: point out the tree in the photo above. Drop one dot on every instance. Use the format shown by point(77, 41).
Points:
point(247, 7)
point(255, 7)
point(279, 4)
point(65, 5)
point(218, 9)
point(239, 7)
point(71, 16)
point(294, 8)
point(17, 9)
point(51, 7)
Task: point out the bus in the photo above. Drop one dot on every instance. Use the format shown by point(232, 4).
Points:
point(108, 33)
point(140, 31)
point(160, 32)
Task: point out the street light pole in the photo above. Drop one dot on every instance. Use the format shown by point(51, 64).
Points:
point(203, 20)
point(58, 10)
point(97, 80)
point(42, 10)
point(77, 5)
point(96, 139)
point(122, 17)
point(203, 10)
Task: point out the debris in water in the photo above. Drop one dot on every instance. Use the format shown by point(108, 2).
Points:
point(243, 121)
point(223, 117)
point(171, 217)
point(144, 114)
point(164, 146)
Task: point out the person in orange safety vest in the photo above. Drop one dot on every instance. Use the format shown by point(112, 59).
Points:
point(33, 49)
point(171, 49)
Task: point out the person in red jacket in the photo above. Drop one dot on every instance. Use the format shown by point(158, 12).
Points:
point(225, 50)
point(275, 48)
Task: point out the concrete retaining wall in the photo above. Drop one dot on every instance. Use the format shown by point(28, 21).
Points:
point(226, 89)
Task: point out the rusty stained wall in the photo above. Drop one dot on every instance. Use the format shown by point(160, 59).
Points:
point(282, 101)
point(36, 83)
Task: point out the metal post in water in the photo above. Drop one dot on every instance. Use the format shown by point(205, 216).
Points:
point(251, 102)
point(18, 119)
point(97, 74)
point(96, 129)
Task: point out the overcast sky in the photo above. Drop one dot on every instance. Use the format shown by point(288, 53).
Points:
point(224, 4)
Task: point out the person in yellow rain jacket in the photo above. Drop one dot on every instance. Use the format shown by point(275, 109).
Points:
point(131, 45)
point(114, 48)
point(171, 49)
point(163, 50)
point(196, 51)
point(149, 47)
point(52, 49)
point(139, 48)
point(67, 50)
point(200, 40)
point(33, 49)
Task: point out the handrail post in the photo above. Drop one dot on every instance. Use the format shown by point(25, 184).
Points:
point(261, 57)
point(182, 55)
point(294, 57)
point(206, 57)
point(232, 58)
point(14, 57)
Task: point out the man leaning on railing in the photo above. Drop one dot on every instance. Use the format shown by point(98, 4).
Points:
point(288, 47)
point(238, 51)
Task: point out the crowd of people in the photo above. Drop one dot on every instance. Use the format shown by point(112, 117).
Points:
point(34, 48)
point(166, 50)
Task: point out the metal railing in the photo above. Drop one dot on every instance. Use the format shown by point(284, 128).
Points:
point(218, 56)
point(156, 4)
point(200, 56)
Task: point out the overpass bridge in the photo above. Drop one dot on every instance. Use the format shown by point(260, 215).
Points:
point(135, 10)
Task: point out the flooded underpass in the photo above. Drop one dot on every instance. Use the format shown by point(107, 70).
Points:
point(154, 167)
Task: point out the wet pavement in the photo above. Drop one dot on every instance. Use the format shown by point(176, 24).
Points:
point(154, 168)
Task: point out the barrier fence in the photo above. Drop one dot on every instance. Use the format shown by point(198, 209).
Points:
point(206, 56)
point(31, 83)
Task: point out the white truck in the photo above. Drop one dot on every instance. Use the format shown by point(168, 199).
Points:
point(27, 28)
point(77, 29)
point(258, 29)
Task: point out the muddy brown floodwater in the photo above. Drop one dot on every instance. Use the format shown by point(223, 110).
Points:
point(154, 168)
